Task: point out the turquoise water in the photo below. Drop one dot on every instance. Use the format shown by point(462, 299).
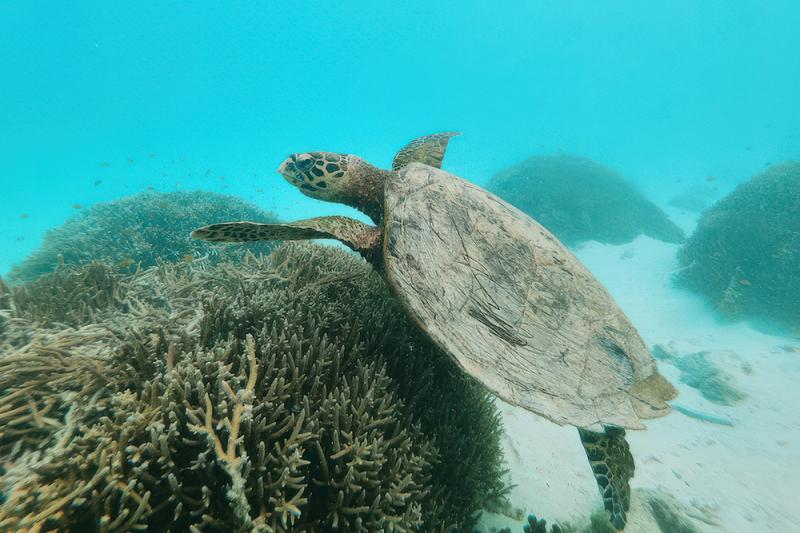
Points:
point(103, 100)
point(174, 95)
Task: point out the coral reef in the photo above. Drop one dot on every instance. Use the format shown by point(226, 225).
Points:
point(539, 525)
point(579, 200)
point(743, 256)
point(715, 385)
point(699, 371)
point(286, 392)
point(670, 515)
point(139, 230)
point(652, 510)
point(598, 523)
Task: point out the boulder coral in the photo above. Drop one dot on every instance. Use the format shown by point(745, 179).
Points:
point(744, 254)
point(579, 200)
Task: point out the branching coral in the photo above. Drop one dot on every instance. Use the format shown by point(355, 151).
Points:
point(137, 231)
point(579, 200)
point(288, 392)
point(743, 256)
point(69, 297)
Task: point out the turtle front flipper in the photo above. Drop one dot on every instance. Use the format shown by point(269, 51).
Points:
point(428, 150)
point(363, 238)
point(612, 463)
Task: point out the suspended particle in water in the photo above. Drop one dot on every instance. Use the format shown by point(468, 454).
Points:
point(23, 216)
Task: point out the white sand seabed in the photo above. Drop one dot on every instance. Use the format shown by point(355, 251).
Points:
point(740, 478)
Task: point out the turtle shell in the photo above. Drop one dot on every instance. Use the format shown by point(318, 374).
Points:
point(512, 306)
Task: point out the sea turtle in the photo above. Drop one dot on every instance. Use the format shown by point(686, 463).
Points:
point(494, 289)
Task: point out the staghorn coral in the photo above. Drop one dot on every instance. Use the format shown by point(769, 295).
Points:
point(743, 256)
point(71, 297)
point(138, 230)
point(285, 393)
point(579, 200)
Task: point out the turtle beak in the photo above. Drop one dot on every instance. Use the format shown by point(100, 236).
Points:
point(289, 171)
point(282, 170)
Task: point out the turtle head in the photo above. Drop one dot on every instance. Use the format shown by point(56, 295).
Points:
point(320, 175)
point(341, 178)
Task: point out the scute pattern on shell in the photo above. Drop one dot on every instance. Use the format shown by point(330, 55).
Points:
point(517, 311)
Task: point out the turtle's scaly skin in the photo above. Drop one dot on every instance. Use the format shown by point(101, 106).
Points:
point(512, 306)
point(360, 237)
point(428, 150)
point(612, 464)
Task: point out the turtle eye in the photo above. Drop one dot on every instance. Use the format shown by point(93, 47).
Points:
point(304, 165)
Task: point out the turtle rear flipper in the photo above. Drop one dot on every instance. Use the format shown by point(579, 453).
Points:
point(428, 150)
point(356, 235)
point(612, 464)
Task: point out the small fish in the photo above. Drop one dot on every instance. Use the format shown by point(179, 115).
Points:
point(744, 282)
point(20, 238)
point(150, 188)
point(222, 178)
point(224, 186)
point(188, 258)
point(260, 189)
point(23, 216)
point(77, 206)
point(97, 182)
point(710, 178)
point(791, 349)
point(105, 164)
point(151, 156)
point(130, 161)
point(125, 263)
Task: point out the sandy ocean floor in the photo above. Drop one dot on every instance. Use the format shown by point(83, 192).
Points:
point(739, 477)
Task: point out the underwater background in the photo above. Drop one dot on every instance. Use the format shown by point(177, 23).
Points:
point(175, 95)
point(659, 141)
